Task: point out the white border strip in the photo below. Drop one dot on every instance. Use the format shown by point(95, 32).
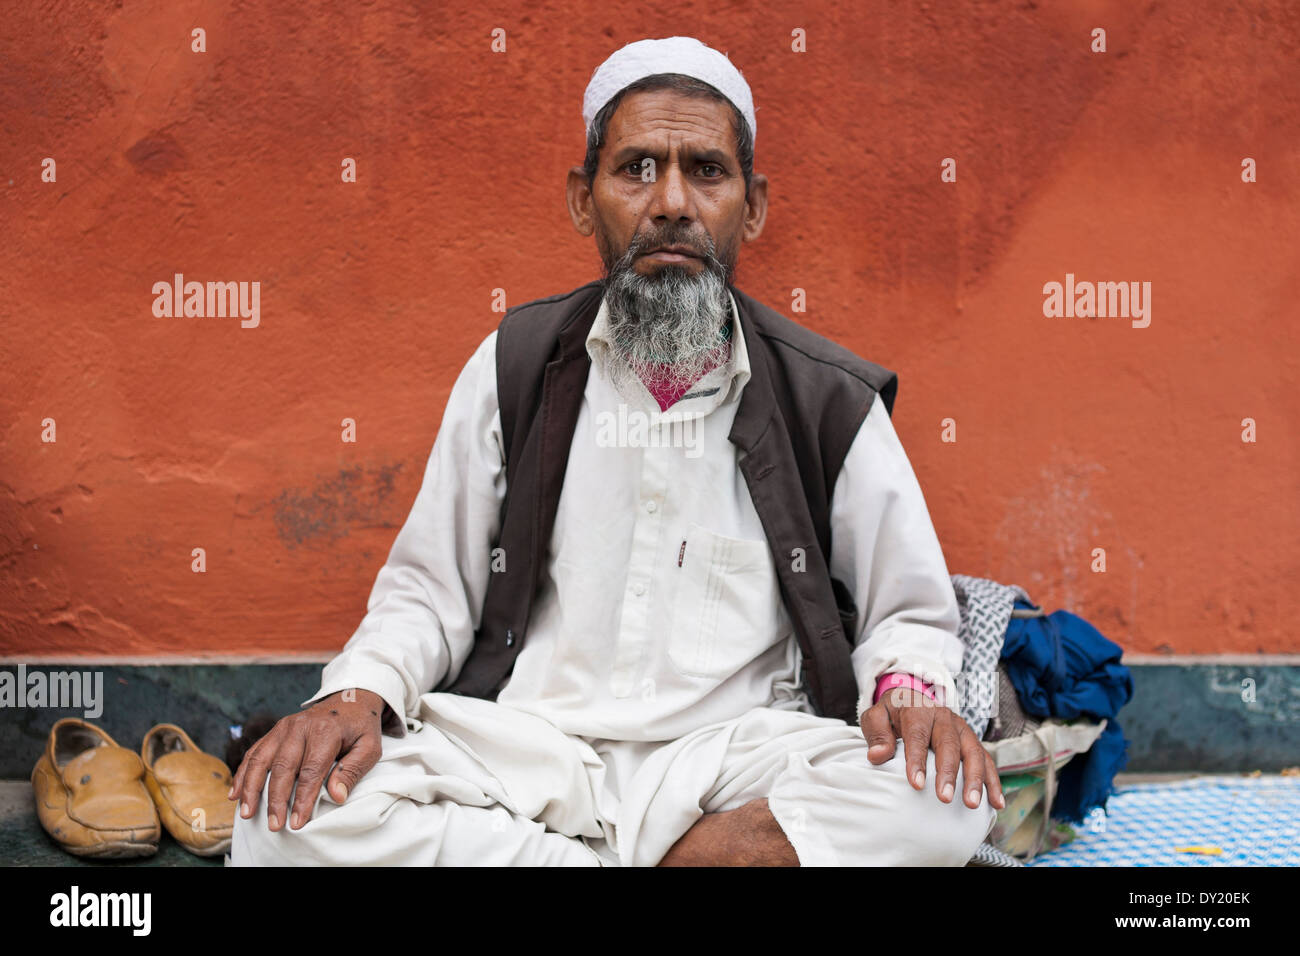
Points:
point(1202, 660)
point(324, 657)
point(308, 657)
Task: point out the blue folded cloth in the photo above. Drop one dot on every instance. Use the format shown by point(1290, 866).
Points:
point(1061, 666)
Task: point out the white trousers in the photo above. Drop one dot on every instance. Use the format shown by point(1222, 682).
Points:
point(478, 783)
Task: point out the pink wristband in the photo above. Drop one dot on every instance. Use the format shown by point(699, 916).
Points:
point(889, 681)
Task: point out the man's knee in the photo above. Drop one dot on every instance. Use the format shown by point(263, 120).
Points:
point(249, 842)
point(946, 834)
point(254, 843)
point(846, 811)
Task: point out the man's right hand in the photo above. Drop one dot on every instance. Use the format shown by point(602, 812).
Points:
point(302, 747)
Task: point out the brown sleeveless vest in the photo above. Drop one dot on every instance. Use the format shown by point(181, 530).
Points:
point(799, 413)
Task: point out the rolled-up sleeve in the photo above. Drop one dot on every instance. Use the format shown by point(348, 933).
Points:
point(427, 599)
point(884, 547)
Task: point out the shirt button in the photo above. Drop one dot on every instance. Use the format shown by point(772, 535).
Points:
point(638, 589)
point(510, 638)
point(651, 507)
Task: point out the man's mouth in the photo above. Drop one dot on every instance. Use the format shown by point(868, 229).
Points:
point(671, 254)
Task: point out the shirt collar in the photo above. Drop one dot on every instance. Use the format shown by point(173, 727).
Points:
point(729, 378)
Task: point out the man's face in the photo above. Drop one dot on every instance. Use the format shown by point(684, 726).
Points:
point(668, 177)
point(695, 193)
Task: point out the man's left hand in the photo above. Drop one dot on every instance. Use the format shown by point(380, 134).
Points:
point(923, 725)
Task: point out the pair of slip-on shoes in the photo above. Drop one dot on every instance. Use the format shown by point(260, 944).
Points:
point(97, 799)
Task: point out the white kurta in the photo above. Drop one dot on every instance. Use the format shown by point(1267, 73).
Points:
point(660, 677)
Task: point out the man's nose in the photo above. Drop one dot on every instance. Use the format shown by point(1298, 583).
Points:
point(671, 196)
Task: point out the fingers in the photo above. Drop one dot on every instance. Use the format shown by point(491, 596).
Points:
point(917, 730)
point(251, 777)
point(321, 747)
point(299, 752)
point(993, 781)
point(284, 773)
point(354, 765)
point(947, 744)
point(879, 731)
point(973, 767)
point(914, 724)
point(923, 728)
point(235, 783)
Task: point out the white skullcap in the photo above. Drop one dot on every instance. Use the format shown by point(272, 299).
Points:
point(685, 55)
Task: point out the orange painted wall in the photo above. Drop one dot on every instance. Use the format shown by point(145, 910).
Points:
point(174, 434)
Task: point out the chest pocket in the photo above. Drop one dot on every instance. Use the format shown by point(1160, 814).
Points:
point(728, 605)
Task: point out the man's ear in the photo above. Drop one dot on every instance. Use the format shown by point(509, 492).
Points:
point(755, 208)
point(578, 199)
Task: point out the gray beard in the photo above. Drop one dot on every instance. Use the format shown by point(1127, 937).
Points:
point(670, 317)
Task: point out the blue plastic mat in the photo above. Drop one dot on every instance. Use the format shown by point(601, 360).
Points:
point(1253, 821)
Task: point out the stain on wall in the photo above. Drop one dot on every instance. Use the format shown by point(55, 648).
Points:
point(352, 499)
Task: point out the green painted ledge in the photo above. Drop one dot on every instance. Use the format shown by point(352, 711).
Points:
point(1190, 715)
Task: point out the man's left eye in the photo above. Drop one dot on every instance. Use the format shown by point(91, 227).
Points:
point(713, 166)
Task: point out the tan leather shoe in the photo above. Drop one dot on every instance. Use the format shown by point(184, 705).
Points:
point(90, 794)
point(189, 789)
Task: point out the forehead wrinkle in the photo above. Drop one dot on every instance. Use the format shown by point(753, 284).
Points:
point(652, 120)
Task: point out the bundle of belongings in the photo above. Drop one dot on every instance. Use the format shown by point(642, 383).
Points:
point(1043, 692)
